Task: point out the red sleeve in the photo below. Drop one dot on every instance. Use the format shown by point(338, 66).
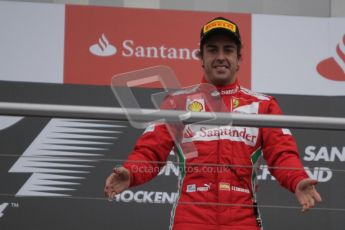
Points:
point(280, 151)
point(151, 150)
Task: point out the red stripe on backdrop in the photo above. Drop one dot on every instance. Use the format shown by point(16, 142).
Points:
point(103, 41)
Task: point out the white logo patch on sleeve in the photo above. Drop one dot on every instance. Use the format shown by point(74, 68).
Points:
point(191, 188)
point(286, 132)
point(150, 128)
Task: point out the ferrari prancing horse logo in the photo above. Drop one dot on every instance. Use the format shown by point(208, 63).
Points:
point(235, 103)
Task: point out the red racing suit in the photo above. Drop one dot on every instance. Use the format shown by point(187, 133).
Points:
point(217, 188)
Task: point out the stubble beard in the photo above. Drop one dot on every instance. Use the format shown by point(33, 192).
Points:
point(222, 81)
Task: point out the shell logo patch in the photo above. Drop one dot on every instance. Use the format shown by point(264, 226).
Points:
point(195, 106)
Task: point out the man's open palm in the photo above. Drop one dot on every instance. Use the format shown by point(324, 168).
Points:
point(117, 182)
point(306, 194)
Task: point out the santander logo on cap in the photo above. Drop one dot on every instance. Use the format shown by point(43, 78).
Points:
point(333, 68)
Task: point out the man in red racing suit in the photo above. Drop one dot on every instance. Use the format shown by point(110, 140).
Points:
point(217, 187)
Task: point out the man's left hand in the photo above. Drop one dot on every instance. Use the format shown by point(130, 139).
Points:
point(306, 194)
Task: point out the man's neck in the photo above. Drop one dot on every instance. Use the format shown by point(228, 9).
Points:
point(220, 83)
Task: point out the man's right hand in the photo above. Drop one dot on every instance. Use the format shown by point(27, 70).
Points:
point(118, 181)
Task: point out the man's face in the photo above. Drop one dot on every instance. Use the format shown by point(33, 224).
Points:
point(220, 60)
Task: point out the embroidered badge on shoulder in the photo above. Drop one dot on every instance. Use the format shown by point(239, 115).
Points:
point(235, 102)
point(195, 103)
point(195, 106)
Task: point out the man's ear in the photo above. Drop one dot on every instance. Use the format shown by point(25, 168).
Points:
point(239, 63)
point(199, 55)
point(239, 59)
